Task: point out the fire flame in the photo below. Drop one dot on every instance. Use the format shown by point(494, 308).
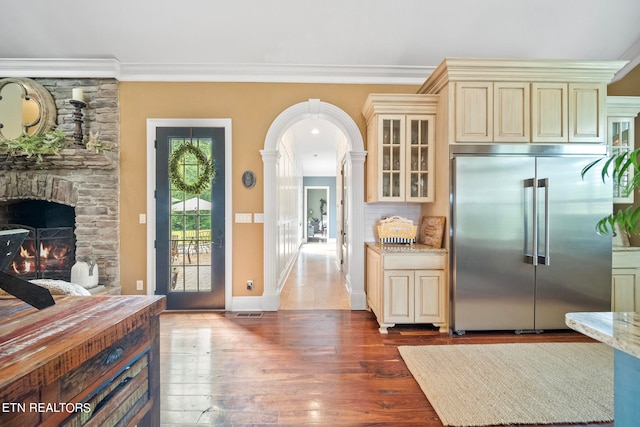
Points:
point(23, 252)
point(26, 267)
point(51, 256)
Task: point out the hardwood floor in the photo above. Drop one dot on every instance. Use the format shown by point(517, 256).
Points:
point(300, 366)
point(323, 367)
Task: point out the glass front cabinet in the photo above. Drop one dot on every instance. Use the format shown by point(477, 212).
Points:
point(400, 157)
point(621, 115)
point(621, 140)
point(405, 162)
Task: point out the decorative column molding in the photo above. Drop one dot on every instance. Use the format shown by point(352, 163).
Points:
point(355, 218)
point(314, 108)
point(270, 295)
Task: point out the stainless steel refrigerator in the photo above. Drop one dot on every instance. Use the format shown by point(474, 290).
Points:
point(524, 245)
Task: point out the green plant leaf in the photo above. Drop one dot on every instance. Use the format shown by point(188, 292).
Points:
point(617, 166)
point(35, 145)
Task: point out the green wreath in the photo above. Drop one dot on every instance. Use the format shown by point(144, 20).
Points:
point(207, 170)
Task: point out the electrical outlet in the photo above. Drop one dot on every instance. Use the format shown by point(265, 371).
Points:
point(139, 285)
point(243, 218)
point(250, 285)
point(142, 218)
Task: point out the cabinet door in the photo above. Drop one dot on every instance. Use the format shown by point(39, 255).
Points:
point(419, 158)
point(586, 112)
point(391, 134)
point(429, 296)
point(511, 112)
point(624, 287)
point(374, 291)
point(549, 115)
point(474, 112)
point(620, 137)
point(398, 296)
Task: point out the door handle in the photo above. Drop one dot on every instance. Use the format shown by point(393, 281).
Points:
point(546, 258)
point(532, 257)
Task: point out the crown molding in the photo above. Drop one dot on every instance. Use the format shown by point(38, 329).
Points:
point(275, 73)
point(260, 73)
point(633, 56)
point(518, 70)
point(392, 103)
point(59, 68)
point(623, 106)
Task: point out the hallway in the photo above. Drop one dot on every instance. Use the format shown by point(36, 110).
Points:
point(315, 283)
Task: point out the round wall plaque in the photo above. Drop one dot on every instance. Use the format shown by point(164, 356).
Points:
point(248, 179)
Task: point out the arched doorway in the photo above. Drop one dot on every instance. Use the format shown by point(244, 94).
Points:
point(315, 109)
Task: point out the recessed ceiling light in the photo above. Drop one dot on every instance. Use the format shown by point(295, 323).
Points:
point(315, 131)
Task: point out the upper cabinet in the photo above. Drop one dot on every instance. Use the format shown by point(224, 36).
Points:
point(621, 115)
point(568, 112)
point(523, 101)
point(400, 145)
point(492, 112)
point(550, 112)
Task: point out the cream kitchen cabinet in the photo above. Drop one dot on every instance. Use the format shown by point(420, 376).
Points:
point(400, 144)
point(621, 114)
point(511, 112)
point(625, 279)
point(492, 112)
point(521, 100)
point(407, 285)
point(550, 112)
point(587, 112)
point(568, 112)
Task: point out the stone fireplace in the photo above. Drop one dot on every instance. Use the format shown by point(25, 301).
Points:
point(83, 184)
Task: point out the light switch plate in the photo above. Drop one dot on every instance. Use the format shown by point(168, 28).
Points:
point(243, 218)
point(258, 218)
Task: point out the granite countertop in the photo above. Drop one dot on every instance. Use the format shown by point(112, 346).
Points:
point(626, 248)
point(620, 330)
point(388, 248)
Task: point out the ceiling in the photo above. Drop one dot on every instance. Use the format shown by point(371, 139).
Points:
point(315, 146)
point(338, 41)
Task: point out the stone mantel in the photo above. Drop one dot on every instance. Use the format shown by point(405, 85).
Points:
point(68, 158)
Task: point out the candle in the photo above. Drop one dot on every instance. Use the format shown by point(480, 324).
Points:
point(76, 94)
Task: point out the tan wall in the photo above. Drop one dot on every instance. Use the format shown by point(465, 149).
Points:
point(628, 86)
point(252, 108)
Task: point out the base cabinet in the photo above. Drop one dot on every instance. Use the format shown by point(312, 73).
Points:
point(625, 280)
point(407, 288)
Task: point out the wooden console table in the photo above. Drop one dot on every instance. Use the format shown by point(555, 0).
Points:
point(87, 361)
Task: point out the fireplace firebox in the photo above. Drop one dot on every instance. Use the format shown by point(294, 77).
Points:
point(49, 251)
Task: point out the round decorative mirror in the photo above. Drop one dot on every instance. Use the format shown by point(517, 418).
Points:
point(25, 106)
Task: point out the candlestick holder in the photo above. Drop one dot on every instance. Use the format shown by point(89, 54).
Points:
point(78, 119)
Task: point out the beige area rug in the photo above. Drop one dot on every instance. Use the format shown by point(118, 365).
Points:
point(493, 384)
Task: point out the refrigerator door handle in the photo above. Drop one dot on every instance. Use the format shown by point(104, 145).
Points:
point(532, 258)
point(546, 258)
